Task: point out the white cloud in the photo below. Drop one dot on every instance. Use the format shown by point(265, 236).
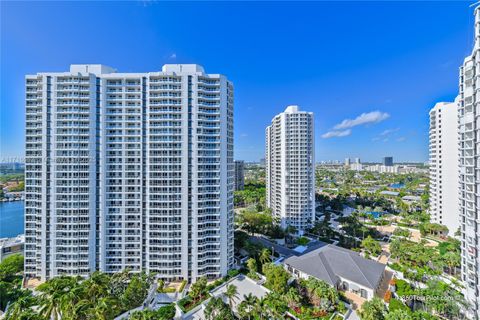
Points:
point(173, 56)
point(389, 131)
point(401, 139)
point(332, 134)
point(243, 135)
point(364, 118)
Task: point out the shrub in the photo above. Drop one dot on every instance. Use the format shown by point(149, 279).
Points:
point(187, 303)
point(302, 241)
point(403, 288)
point(169, 290)
point(166, 312)
point(233, 273)
point(182, 286)
point(396, 304)
point(396, 266)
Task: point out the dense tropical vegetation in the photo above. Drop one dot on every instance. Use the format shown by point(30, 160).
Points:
point(101, 296)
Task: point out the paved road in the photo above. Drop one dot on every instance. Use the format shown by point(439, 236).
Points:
point(277, 248)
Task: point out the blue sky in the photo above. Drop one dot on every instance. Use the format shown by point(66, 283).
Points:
point(390, 61)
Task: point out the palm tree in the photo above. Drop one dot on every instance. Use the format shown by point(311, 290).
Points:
point(105, 308)
point(216, 309)
point(252, 267)
point(242, 311)
point(249, 302)
point(265, 256)
point(19, 307)
point(97, 285)
point(231, 293)
point(258, 308)
point(69, 301)
point(452, 260)
point(52, 295)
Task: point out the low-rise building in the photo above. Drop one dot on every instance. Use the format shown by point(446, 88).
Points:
point(9, 246)
point(343, 269)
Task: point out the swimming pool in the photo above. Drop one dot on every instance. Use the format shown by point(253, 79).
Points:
point(376, 214)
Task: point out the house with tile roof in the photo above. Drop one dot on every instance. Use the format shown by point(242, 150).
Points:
point(343, 269)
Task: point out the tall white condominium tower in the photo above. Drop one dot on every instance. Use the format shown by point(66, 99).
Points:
point(444, 182)
point(290, 168)
point(470, 170)
point(129, 170)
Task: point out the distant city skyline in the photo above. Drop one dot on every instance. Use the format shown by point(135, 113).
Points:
point(330, 58)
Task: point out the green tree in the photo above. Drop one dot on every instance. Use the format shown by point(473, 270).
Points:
point(371, 246)
point(198, 289)
point(398, 315)
point(21, 308)
point(402, 232)
point(252, 268)
point(52, 295)
point(216, 309)
point(246, 307)
point(10, 267)
point(164, 313)
point(277, 277)
point(275, 305)
point(452, 260)
point(321, 293)
point(265, 256)
point(373, 310)
point(231, 293)
point(136, 291)
point(293, 297)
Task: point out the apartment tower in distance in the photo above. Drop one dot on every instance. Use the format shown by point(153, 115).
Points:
point(239, 175)
point(469, 168)
point(444, 183)
point(129, 170)
point(290, 168)
point(387, 161)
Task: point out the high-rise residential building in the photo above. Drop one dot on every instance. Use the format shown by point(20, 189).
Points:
point(387, 161)
point(290, 168)
point(347, 162)
point(356, 165)
point(469, 169)
point(129, 170)
point(444, 183)
point(239, 175)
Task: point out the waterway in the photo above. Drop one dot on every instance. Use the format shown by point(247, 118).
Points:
point(11, 218)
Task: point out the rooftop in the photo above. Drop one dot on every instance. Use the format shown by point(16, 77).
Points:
point(330, 263)
point(8, 242)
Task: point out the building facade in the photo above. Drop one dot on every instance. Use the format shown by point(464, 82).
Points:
point(444, 183)
point(129, 170)
point(290, 168)
point(469, 170)
point(239, 175)
point(387, 161)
